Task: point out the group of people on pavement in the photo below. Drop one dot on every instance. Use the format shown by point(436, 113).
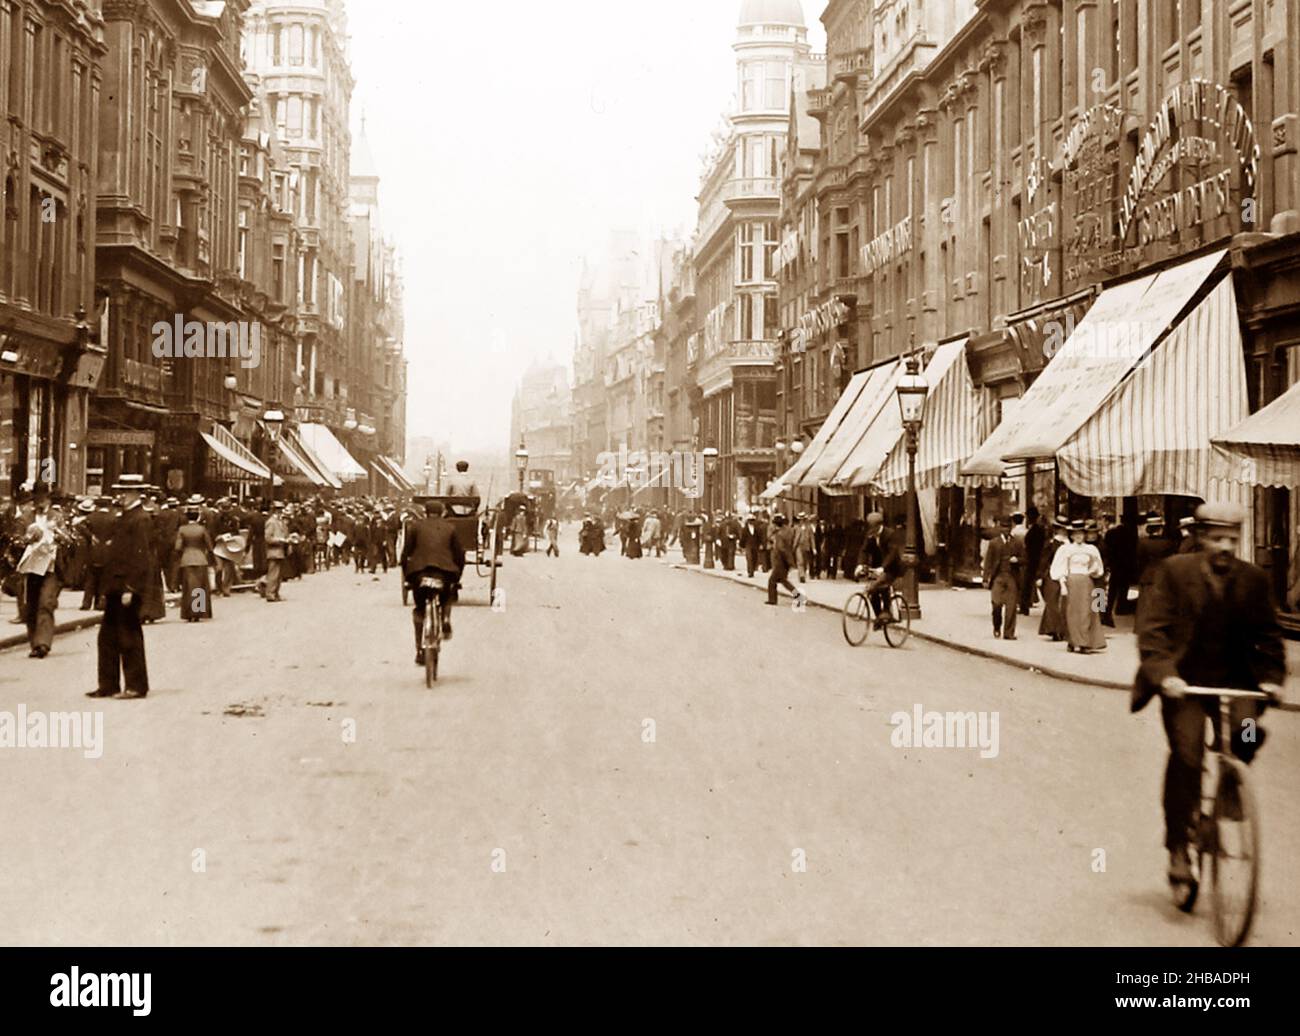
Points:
point(1082, 570)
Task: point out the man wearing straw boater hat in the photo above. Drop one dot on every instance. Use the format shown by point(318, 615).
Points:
point(127, 570)
point(1208, 622)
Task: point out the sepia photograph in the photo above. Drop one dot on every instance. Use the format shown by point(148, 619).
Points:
point(936, 361)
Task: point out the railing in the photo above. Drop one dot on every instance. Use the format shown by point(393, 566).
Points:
point(752, 187)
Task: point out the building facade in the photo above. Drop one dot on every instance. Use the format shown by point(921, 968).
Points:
point(541, 417)
point(51, 68)
point(735, 256)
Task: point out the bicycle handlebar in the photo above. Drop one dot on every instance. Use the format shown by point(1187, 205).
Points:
point(1225, 692)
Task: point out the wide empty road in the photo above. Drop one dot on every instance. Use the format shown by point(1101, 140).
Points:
point(624, 753)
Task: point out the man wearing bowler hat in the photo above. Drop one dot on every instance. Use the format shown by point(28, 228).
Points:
point(127, 570)
point(1208, 621)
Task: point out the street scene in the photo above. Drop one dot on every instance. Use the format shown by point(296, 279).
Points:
point(758, 473)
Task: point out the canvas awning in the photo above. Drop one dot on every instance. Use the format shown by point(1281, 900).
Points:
point(241, 464)
point(1264, 449)
point(296, 460)
point(386, 475)
point(951, 427)
point(312, 458)
point(878, 432)
point(877, 392)
point(1119, 330)
point(833, 420)
point(1152, 435)
point(404, 484)
point(333, 454)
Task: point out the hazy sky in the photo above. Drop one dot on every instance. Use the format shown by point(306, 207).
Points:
point(508, 149)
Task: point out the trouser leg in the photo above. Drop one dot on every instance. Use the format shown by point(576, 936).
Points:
point(997, 618)
point(110, 656)
point(47, 599)
point(1009, 621)
point(1184, 722)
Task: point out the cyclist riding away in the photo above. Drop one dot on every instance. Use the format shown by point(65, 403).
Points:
point(432, 547)
point(880, 554)
point(1209, 622)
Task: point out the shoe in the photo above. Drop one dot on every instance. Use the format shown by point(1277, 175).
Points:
point(101, 694)
point(997, 634)
point(770, 603)
point(419, 658)
point(1180, 866)
point(1009, 636)
point(129, 695)
point(446, 631)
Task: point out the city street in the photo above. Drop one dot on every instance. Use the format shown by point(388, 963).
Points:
point(623, 753)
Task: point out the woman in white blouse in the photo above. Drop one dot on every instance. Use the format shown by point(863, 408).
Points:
point(1077, 567)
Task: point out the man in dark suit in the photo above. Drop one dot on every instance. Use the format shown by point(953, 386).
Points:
point(752, 539)
point(98, 529)
point(1002, 570)
point(880, 549)
point(432, 546)
point(127, 570)
point(783, 559)
point(1035, 540)
point(1152, 549)
point(1119, 551)
point(729, 532)
point(1208, 622)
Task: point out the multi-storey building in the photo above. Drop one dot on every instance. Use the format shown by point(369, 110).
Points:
point(1009, 163)
point(50, 85)
point(541, 417)
point(736, 244)
point(299, 50)
point(169, 241)
point(376, 420)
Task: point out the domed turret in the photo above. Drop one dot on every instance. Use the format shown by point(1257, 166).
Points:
point(771, 12)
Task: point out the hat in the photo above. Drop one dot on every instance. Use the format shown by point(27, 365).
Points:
point(1005, 521)
point(1155, 521)
point(86, 505)
point(1078, 525)
point(277, 505)
point(1220, 516)
point(875, 518)
point(1062, 521)
point(129, 484)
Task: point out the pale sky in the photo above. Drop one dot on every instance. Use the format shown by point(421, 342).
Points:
point(508, 149)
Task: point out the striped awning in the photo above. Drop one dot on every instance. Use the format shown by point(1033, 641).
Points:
point(386, 475)
point(305, 451)
point(951, 428)
point(832, 423)
point(230, 460)
point(877, 437)
point(403, 483)
point(296, 461)
point(323, 446)
point(1152, 435)
point(1264, 449)
point(1119, 330)
point(877, 393)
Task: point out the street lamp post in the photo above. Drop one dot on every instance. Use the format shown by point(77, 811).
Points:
point(428, 476)
point(273, 419)
point(710, 465)
point(912, 390)
point(521, 462)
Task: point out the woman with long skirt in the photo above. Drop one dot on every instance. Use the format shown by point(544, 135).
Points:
point(194, 546)
point(1053, 621)
point(1077, 567)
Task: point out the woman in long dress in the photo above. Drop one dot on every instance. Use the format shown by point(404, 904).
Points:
point(1053, 621)
point(1077, 567)
point(194, 546)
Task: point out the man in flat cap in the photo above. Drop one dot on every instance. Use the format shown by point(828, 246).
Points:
point(1209, 622)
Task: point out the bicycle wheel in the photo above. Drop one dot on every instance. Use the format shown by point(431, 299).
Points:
point(1234, 865)
point(431, 637)
point(856, 619)
point(899, 626)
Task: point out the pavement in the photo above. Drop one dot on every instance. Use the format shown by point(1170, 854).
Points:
point(961, 619)
point(616, 754)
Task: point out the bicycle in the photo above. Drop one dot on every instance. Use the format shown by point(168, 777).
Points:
point(431, 631)
point(1227, 830)
point(858, 617)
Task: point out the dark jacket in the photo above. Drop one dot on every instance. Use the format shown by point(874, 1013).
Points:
point(129, 561)
point(1004, 557)
point(1185, 631)
point(783, 556)
point(882, 551)
point(100, 529)
point(432, 543)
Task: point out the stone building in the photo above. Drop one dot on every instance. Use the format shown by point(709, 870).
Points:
point(51, 57)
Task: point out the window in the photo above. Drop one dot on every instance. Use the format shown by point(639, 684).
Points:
point(295, 116)
point(770, 246)
point(746, 309)
point(243, 244)
point(777, 95)
point(277, 272)
point(771, 320)
point(276, 52)
point(295, 45)
point(750, 74)
point(747, 246)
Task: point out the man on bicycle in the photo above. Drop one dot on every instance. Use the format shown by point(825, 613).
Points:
point(880, 554)
point(1208, 622)
point(432, 548)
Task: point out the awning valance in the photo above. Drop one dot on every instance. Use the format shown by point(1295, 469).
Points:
point(243, 465)
point(952, 428)
point(1264, 449)
point(321, 442)
point(1119, 330)
point(1152, 435)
